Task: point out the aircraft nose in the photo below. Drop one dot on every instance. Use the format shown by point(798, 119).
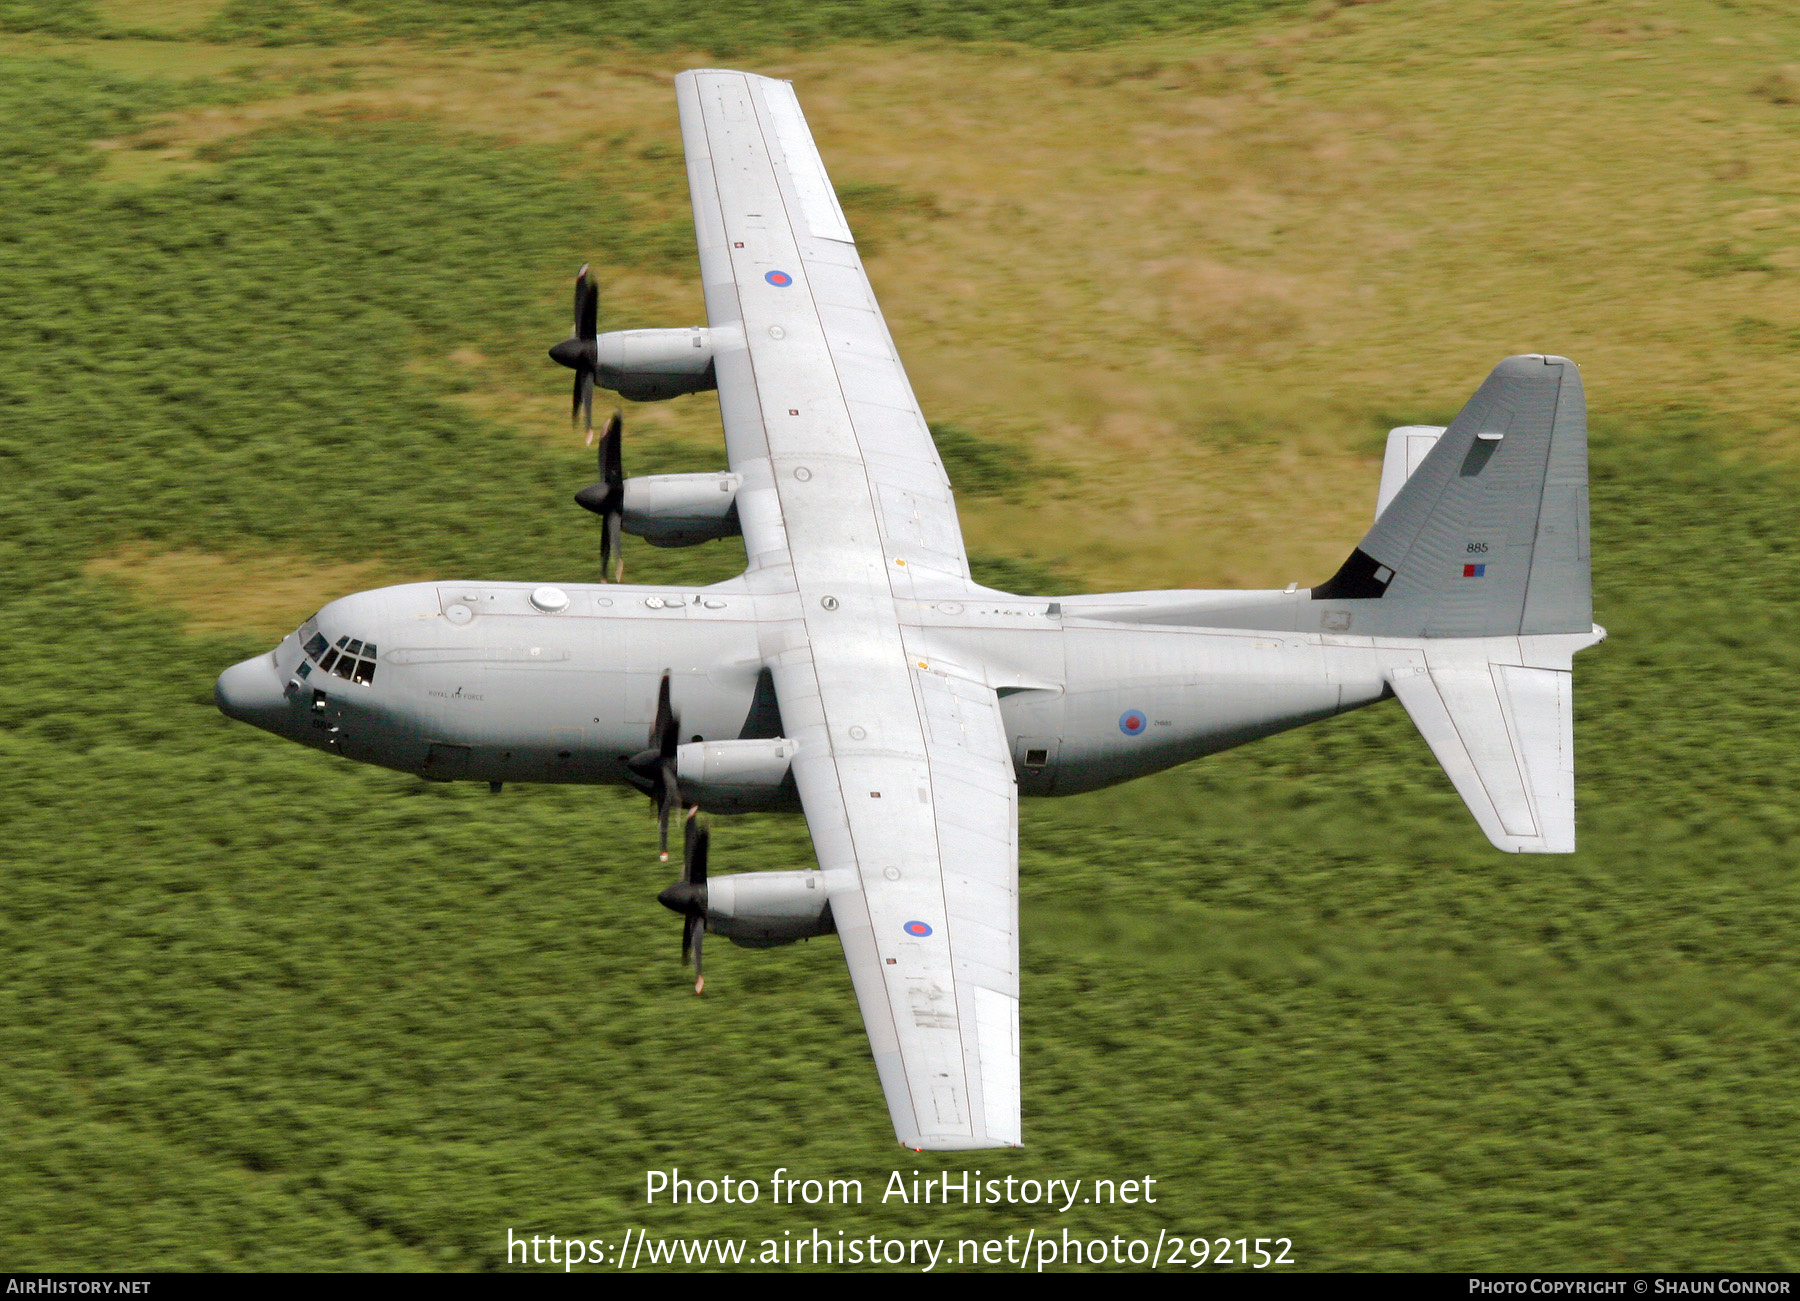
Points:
point(251, 693)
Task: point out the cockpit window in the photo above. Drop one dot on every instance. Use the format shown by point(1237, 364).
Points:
point(348, 658)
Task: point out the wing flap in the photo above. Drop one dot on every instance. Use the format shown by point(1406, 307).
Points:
point(997, 1026)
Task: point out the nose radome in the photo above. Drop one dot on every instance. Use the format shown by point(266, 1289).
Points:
point(251, 693)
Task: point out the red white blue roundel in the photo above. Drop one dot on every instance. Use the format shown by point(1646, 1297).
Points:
point(780, 279)
point(917, 928)
point(1132, 722)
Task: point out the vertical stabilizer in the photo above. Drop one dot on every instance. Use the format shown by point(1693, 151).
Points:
point(1489, 536)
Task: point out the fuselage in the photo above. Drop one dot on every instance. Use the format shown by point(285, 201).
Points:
point(518, 682)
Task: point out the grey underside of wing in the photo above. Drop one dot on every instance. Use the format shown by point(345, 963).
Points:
point(902, 768)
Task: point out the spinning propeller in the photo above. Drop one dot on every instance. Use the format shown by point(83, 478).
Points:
point(654, 767)
point(607, 498)
point(580, 352)
point(688, 896)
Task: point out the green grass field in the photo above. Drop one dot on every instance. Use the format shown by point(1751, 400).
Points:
point(275, 282)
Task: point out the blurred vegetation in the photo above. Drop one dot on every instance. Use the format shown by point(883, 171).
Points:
point(727, 25)
point(73, 18)
point(264, 1009)
point(1021, 575)
point(981, 467)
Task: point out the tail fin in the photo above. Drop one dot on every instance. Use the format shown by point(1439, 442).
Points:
point(1489, 536)
point(1482, 552)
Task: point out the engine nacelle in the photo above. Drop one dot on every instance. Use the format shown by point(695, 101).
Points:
point(736, 776)
point(681, 510)
point(650, 365)
point(759, 910)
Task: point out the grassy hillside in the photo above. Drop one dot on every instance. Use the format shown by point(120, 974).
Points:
point(274, 318)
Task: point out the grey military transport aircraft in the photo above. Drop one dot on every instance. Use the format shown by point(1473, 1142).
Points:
point(856, 672)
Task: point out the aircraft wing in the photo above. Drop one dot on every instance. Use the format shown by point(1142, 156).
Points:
point(917, 830)
point(902, 766)
point(804, 360)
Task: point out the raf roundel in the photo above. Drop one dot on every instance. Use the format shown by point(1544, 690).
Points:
point(780, 279)
point(917, 928)
point(1132, 722)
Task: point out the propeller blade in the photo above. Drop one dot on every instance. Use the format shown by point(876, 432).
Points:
point(587, 305)
point(580, 352)
point(688, 896)
point(665, 715)
point(693, 858)
point(612, 459)
point(609, 546)
point(665, 736)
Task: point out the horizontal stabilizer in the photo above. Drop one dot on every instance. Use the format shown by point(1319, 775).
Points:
point(1498, 715)
point(1407, 448)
